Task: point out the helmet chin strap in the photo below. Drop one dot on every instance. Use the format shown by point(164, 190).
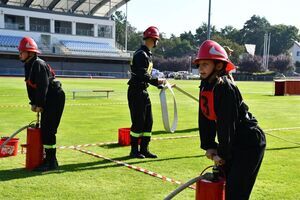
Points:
point(155, 44)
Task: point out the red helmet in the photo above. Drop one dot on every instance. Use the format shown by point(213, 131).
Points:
point(211, 50)
point(151, 32)
point(28, 44)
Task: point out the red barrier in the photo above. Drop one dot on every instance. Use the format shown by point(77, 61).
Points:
point(287, 87)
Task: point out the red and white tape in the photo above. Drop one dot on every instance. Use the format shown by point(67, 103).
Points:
point(140, 169)
point(110, 143)
point(87, 145)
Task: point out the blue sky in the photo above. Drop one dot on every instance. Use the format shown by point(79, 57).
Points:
point(177, 16)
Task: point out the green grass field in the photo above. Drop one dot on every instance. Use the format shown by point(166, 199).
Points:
point(88, 120)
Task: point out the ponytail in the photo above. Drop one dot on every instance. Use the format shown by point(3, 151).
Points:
point(223, 72)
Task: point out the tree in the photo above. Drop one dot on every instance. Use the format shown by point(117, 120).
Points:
point(281, 38)
point(120, 21)
point(188, 36)
point(134, 38)
point(253, 32)
point(232, 34)
point(201, 33)
point(237, 49)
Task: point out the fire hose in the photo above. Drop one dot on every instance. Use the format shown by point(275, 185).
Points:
point(164, 106)
point(182, 187)
point(20, 130)
point(190, 182)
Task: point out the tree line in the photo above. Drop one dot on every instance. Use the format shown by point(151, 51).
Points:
point(175, 53)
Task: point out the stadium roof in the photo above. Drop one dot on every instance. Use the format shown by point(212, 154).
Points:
point(103, 8)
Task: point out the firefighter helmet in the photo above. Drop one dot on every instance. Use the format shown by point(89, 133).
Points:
point(211, 50)
point(151, 32)
point(28, 44)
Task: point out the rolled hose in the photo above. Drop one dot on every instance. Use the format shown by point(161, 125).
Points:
point(182, 187)
point(164, 109)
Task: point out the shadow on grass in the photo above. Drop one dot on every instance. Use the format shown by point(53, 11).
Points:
point(177, 131)
point(21, 173)
point(282, 148)
point(110, 146)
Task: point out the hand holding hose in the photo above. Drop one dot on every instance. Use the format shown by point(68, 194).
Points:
point(218, 160)
point(210, 153)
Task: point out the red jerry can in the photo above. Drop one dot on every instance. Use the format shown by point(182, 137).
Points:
point(124, 136)
point(34, 148)
point(211, 186)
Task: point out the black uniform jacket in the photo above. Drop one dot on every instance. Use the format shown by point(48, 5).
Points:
point(223, 113)
point(141, 68)
point(39, 78)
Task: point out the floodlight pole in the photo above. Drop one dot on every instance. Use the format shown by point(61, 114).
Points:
point(126, 28)
point(208, 24)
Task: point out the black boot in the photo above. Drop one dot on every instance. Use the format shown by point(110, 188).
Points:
point(53, 164)
point(145, 148)
point(49, 163)
point(134, 153)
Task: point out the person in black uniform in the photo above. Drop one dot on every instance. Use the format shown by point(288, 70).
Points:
point(138, 97)
point(223, 113)
point(46, 96)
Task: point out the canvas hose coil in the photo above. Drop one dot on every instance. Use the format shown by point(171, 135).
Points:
point(164, 109)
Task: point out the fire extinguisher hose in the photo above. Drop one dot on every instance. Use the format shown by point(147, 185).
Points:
point(187, 184)
point(20, 130)
point(182, 187)
point(13, 135)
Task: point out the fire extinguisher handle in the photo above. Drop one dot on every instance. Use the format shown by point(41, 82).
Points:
point(206, 169)
point(212, 166)
point(37, 120)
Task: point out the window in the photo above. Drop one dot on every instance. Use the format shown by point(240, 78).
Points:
point(14, 22)
point(105, 31)
point(63, 27)
point(298, 53)
point(39, 24)
point(84, 29)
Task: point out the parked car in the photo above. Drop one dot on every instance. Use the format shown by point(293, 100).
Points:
point(157, 74)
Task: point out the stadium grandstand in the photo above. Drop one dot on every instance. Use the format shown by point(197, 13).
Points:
point(77, 37)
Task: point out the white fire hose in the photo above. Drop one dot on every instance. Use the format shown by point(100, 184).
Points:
point(164, 106)
point(164, 109)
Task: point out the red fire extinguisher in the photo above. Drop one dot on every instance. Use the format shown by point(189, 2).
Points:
point(34, 146)
point(209, 186)
point(212, 185)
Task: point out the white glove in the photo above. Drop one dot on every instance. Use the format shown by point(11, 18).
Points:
point(161, 81)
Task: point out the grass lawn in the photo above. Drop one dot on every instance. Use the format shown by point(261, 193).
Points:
point(91, 119)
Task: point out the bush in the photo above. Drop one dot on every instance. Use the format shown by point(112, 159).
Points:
point(281, 63)
point(172, 64)
point(250, 64)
